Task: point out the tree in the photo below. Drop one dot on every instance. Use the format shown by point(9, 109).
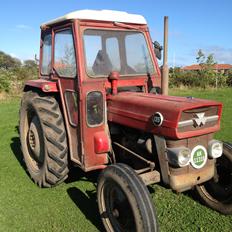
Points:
point(200, 57)
point(207, 72)
point(205, 62)
point(29, 64)
point(8, 62)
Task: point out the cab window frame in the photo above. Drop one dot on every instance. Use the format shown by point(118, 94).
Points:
point(99, 77)
point(43, 35)
point(56, 30)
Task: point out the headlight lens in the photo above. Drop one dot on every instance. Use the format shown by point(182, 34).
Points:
point(184, 157)
point(179, 157)
point(215, 149)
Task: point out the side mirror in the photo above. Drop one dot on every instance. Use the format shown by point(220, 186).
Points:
point(157, 49)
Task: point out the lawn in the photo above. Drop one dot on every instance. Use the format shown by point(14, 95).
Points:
point(72, 205)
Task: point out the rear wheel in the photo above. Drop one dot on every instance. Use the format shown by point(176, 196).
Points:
point(43, 139)
point(124, 201)
point(217, 192)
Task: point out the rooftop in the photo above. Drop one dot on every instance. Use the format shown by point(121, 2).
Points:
point(216, 67)
point(100, 15)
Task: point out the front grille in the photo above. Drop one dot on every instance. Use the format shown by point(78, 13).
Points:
point(200, 118)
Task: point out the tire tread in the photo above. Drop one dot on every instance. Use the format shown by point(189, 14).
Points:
point(55, 169)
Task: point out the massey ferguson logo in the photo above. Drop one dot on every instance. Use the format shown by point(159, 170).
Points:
point(200, 119)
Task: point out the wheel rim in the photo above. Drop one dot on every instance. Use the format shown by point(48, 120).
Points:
point(118, 212)
point(219, 189)
point(35, 144)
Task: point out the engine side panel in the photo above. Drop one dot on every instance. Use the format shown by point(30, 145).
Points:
point(137, 109)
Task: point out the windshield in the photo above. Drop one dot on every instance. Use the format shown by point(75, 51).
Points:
point(122, 51)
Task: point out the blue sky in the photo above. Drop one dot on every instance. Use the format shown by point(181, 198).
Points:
point(204, 24)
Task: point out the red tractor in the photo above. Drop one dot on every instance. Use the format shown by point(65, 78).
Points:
point(98, 105)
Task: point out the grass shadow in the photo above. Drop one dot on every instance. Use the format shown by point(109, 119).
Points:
point(75, 174)
point(87, 204)
point(16, 149)
point(151, 189)
point(15, 146)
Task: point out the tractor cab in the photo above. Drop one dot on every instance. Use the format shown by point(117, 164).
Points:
point(78, 54)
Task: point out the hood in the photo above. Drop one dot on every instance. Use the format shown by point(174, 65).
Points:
point(180, 114)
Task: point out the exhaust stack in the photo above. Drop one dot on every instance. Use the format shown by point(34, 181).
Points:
point(164, 80)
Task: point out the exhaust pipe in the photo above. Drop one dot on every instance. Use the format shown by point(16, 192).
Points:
point(164, 80)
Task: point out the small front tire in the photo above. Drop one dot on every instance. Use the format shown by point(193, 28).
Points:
point(124, 201)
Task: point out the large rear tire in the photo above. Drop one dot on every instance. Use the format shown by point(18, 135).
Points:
point(43, 139)
point(217, 194)
point(124, 201)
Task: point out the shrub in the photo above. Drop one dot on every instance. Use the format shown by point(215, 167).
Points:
point(229, 78)
point(12, 80)
point(13, 73)
point(5, 76)
point(178, 78)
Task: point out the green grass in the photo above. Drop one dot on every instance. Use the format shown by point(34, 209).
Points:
point(72, 206)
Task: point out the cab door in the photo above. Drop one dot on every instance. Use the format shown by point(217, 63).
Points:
point(64, 70)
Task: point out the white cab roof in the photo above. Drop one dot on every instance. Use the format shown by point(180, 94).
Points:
point(100, 15)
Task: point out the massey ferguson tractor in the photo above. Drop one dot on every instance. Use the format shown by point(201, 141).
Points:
point(99, 105)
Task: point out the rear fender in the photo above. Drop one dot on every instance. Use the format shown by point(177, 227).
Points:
point(41, 84)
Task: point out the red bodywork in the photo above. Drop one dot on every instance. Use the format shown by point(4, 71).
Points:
point(43, 85)
point(136, 109)
point(89, 146)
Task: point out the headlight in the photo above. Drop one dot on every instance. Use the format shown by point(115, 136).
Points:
point(179, 157)
point(215, 149)
point(184, 157)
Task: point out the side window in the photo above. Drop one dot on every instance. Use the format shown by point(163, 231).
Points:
point(138, 59)
point(93, 45)
point(72, 107)
point(95, 109)
point(46, 56)
point(112, 50)
point(64, 57)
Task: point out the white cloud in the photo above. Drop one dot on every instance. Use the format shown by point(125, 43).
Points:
point(13, 55)
point(222, 55)
point(23, 27)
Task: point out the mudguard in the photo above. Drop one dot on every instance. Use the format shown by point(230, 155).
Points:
point(42, 84)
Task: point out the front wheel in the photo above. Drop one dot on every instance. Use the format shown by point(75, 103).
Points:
point(217, 192)
point(124, 201)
